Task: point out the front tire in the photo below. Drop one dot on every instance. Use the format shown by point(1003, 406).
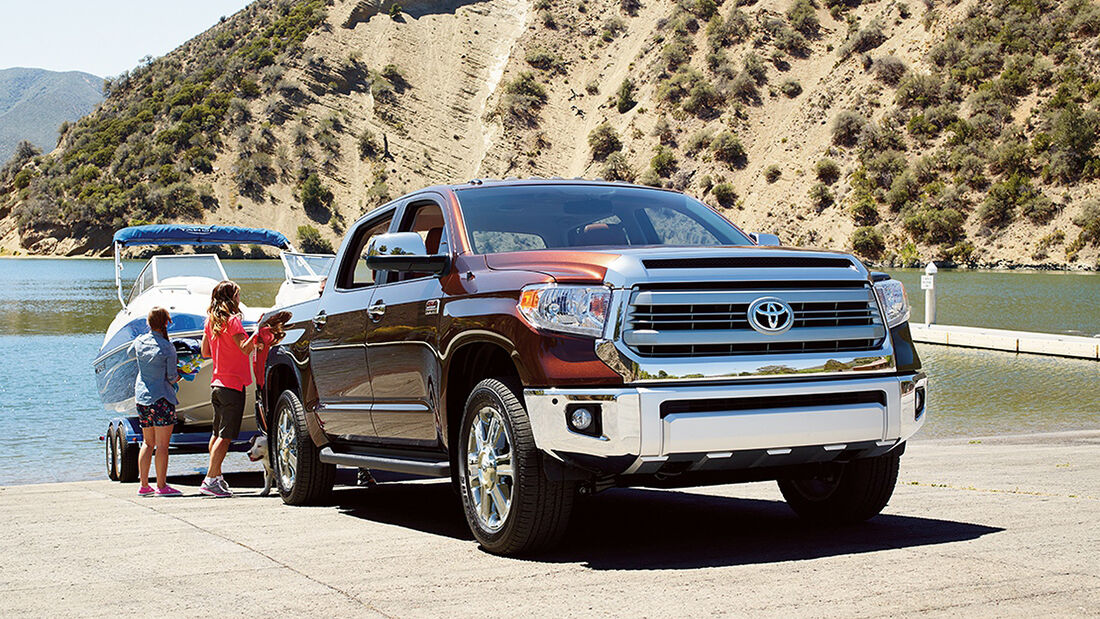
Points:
point(300, 475)
point(844, 492)
point(512, 508)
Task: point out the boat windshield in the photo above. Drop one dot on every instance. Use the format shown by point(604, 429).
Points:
point(307, 267)
point(199, 265)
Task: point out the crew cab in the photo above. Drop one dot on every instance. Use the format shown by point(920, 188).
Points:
point(537, 339)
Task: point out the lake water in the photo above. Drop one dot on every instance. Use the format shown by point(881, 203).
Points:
point(53, 314)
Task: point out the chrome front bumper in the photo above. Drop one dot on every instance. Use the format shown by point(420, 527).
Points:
point(728, 419)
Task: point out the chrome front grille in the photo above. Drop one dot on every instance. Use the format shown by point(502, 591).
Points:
point(670, 321)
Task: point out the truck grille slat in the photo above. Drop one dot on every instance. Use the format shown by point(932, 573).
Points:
point(674, 321)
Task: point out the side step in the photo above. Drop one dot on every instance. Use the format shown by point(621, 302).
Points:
point(387, 463)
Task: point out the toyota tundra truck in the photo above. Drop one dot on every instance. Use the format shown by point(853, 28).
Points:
point(533, 340)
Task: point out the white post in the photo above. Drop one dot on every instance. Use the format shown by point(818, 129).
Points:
point(928, 284)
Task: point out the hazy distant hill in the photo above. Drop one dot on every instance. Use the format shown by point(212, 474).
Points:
point(902, 130)
point(34, 103)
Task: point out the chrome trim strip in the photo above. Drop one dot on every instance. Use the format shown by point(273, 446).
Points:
point(720, 297)
point(648, 337)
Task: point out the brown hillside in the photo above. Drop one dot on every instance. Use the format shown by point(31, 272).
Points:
point(972, 126)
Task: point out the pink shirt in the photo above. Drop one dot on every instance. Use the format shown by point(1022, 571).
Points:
point(231, 368)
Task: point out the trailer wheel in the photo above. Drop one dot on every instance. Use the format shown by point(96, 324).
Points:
point(111, 452)
point(127, 458)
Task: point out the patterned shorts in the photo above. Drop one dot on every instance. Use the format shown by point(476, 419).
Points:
point(161, 413)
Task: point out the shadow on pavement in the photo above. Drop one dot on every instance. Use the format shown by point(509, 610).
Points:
point(637, 529)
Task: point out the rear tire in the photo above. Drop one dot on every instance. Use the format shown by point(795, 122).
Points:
point(845, 492)
point(127, 463)
point(111, 452)
point(300, 475)
point(511, 506)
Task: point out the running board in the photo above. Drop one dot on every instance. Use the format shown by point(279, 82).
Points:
point(387, 463)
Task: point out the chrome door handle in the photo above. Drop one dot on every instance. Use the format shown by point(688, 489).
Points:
point(319, 320)
point(377, 311)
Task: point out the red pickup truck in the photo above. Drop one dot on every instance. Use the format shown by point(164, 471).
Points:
point(536, 339)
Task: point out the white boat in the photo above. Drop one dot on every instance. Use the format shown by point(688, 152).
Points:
point(182, 284)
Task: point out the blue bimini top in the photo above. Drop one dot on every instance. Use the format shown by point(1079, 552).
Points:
point(185, 234)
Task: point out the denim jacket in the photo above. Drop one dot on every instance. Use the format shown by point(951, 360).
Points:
point(156, 362)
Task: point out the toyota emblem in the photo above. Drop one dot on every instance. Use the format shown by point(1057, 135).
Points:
point(770, 315)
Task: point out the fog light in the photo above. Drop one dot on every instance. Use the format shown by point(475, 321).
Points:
point(581, 418)
point(584, 418)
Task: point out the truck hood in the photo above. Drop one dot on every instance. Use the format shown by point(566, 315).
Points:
point(636, 262)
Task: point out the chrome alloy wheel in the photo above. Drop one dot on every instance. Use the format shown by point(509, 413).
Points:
point(489, 474)
point(288, 448)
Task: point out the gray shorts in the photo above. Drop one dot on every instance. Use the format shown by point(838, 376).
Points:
point(228, 411)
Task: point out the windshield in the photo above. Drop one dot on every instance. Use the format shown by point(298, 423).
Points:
point(307, 267)
point(202, 265)
point(524, 217)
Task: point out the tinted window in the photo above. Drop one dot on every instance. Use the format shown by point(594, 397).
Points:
point(521, 217)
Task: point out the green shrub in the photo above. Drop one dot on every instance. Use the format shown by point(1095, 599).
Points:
point(704, 100)
point(754, 66)
point(664, 162)
point(821, 197)
point(395, 12)
point(864, 211)
point(1089, 220)
point(545, 61)
point(1004, 198)
point(846, 127)
point(612, 27)
point(603, 140)
point(523, 98)
point(867, 243)
point(724, 193)
point(698, 141)
point(310, 241)
point(316, 198)
point(368, 146)
point(889, 69)
point(727, 147)
point(744, 87)
point(676, 52)
point(677, 86)
point(918, 90)
point(827, 171)
point(617, 168)
point(791, 88)
point(625, 96)
point(803, 17)
point(772, 173)
point(1073, 140)
point(935, 225)
point(863, 40)
point(662, 131)
point(723, 32)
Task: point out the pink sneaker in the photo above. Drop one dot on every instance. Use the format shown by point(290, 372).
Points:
point(145, 491)
point(168, 491)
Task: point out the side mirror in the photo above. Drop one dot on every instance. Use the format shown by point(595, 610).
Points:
point(761, 238)
point(402, 251)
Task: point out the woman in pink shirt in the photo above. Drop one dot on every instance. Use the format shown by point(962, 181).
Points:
point(225, 340)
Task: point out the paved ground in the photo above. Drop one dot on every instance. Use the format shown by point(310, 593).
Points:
point(1004, 526)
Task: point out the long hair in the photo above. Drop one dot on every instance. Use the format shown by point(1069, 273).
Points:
point(223, 306)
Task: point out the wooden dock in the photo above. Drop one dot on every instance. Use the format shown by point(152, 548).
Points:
point(1074, 346)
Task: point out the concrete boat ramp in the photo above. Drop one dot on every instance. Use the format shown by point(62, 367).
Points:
point(989, 527)
point(1074, 346)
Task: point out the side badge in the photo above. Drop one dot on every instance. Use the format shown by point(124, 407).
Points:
point(431, 307)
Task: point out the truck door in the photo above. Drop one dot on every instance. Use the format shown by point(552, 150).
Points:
point(402, 343)
point(338, 348)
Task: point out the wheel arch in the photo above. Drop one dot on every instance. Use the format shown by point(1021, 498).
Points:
point(466, 365)
point(283, 375)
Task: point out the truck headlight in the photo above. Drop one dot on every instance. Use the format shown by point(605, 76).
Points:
point(894, 301)
point(570, 309)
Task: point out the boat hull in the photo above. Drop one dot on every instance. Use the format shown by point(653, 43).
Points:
point(116, 375)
